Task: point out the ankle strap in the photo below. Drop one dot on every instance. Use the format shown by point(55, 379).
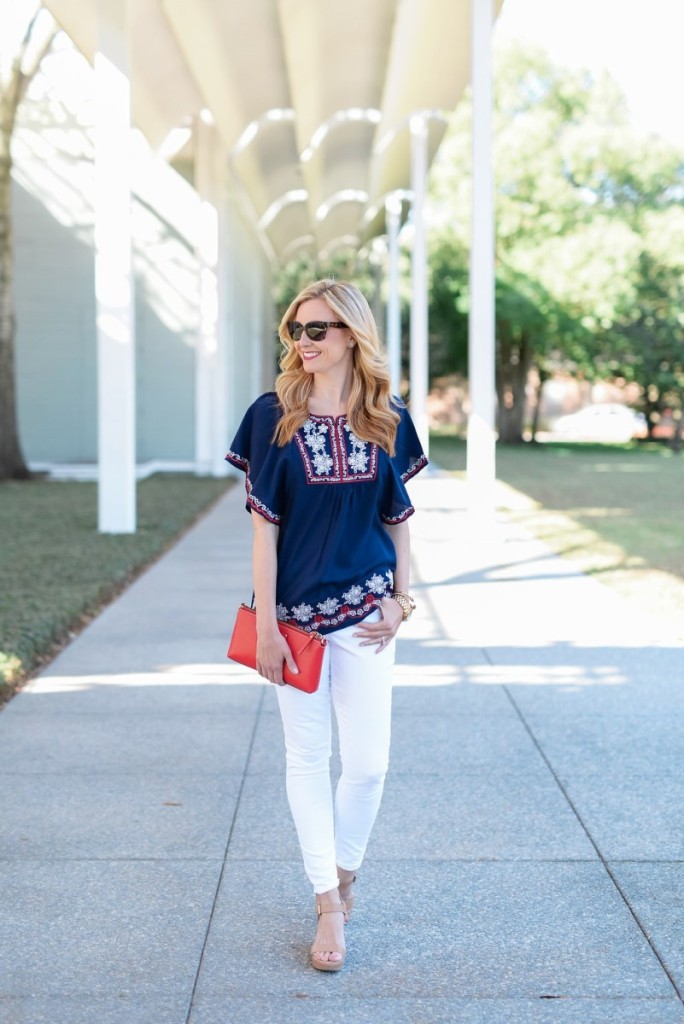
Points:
point(333, 908)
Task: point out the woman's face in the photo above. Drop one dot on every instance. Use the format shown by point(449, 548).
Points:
point(330, 353)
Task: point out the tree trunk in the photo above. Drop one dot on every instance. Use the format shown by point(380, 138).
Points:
point(543, 377)
point(511, 380)
point(41, 30)
point(678, 436)
point(12, 464)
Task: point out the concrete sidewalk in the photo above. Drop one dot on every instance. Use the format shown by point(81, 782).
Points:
point(527, 866)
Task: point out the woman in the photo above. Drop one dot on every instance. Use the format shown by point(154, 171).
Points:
point(326, 457)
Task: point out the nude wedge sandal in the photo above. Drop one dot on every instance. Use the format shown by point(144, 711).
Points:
point(328, 965)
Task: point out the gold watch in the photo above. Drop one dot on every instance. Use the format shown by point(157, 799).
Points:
point(405, 602)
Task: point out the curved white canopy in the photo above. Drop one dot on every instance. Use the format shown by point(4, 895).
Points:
point(312, 98)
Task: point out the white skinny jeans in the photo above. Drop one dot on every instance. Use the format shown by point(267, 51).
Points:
point(358, 682)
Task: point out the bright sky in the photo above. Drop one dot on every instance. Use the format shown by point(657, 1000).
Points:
point(638, 41)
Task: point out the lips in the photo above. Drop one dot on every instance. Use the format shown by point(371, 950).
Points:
point(309, 355)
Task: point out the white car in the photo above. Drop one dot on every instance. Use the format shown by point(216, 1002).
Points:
point(608, 421)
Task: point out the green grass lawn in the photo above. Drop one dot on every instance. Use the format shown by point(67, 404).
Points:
point(618, 510)
point(56, 570)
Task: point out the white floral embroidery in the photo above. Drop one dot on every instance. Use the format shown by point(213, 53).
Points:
point(302, 612)
point(281, 611)
point(259, 505)
point(252, 500)
point(342, 608)
point(322, 463)
point(315, 434)
point(408, 511)
point(415, 465)
point(333, 454)
point(357, 459)
point(237, 460)
point(377, 584)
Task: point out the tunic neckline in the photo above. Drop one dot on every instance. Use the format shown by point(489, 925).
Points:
point(316, 416)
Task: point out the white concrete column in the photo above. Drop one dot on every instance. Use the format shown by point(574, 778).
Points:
point(480, 460)
point(222, 399)
point(270, 346)
point(207, 330)
point(114, 288)
point(419, 305)
point(259, 339)
point(392, 220)
point(377, 258)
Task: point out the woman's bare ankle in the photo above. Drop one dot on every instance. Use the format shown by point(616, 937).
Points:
point(346, 879)
point(332, 896)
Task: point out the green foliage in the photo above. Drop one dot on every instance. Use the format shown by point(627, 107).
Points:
point(56, 569)
point(305, 268)
point(448, 342)
point(590, 235)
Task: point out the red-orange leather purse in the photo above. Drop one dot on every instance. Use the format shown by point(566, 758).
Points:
point(307, 649)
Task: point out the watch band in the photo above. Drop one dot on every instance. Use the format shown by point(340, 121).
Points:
point(405, 602)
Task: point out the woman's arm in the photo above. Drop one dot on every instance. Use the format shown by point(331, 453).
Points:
point(401, 538)
point(392, 614)
point(272, 647)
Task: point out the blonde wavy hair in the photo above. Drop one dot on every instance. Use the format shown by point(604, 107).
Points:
point(371, 411)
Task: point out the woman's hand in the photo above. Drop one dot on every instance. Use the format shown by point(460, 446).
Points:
point(272, 650)
point(380, 633)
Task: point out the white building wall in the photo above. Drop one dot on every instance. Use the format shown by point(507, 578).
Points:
point(55, 288)
point(252, 366)
point(55, 342)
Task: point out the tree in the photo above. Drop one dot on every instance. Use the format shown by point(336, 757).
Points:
point(17, 68)
point(652, 333)
point(527, 319)
point(576, 191)
point(448, 297)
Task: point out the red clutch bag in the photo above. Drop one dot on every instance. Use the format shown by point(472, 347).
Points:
point(307, 649)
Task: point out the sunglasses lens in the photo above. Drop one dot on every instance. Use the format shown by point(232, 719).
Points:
point(315, 331)
point(295, 330)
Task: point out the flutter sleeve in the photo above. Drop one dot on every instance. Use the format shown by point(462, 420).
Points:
point(261, 460)
point(409, 459)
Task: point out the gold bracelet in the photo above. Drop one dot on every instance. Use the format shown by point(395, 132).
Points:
point(405, 602)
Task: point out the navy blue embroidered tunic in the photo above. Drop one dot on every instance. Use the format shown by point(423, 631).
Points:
point(330, 493)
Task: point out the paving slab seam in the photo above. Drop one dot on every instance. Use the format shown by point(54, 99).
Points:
point(311, 997)
point(386, 859)
point(606, 866)
point(647, 860)
point(238, 801)
point(109, 860)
